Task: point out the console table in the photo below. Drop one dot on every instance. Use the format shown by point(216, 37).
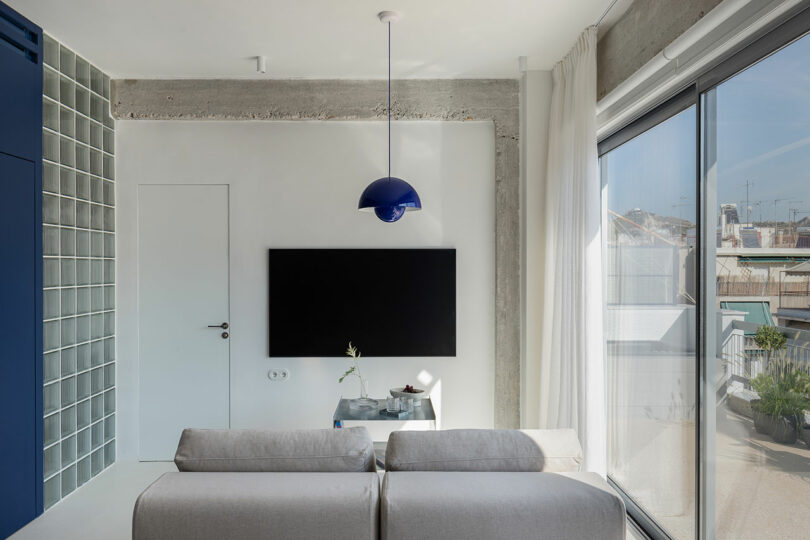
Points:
point(343, 412)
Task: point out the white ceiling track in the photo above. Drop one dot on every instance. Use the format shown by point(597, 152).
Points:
point(723, 28)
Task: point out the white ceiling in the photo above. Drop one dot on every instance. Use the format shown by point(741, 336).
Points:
point(314, 39)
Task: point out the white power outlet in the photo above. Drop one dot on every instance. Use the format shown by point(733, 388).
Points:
point(276, 374)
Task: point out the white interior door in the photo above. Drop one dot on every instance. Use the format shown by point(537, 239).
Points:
point(182, 289)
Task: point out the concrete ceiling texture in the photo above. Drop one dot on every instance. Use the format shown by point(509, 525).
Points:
point(314, 39)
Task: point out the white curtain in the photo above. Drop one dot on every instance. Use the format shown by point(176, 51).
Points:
point(572, 389)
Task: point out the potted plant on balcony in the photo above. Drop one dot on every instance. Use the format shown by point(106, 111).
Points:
point(799, 382)
point(762, 422)
point(782, 389)
point(771, 340)
point(780, 411)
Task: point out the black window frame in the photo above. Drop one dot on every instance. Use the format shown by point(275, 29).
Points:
point(770, 39)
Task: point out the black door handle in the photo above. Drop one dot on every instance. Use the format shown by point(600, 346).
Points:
point(224, 326)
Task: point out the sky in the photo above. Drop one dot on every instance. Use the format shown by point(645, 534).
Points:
point(763, 137)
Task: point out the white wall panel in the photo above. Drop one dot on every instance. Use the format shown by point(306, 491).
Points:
point(296, 184)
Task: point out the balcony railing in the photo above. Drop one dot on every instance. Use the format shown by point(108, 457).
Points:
point(744, 359)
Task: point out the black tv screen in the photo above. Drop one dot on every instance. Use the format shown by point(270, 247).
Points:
point(387, 302)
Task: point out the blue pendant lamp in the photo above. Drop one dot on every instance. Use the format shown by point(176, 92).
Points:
point(389, 197)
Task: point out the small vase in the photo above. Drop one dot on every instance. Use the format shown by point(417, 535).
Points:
point(363, 402)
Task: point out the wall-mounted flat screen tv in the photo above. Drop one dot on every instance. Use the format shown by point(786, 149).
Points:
point(387, 302)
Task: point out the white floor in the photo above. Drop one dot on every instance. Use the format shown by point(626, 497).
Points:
point(102, 510)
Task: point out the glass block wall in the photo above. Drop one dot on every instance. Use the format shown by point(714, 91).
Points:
point(78, 212)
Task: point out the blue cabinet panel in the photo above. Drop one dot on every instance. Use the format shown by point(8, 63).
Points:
point(18, 360)
point(20, 271)
point(20, 86)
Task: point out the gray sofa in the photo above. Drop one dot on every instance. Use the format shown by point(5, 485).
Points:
point(264, 484)
point(456, 484)
point(483, 484)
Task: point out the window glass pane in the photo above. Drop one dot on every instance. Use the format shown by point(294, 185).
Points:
point(757, 147)
point(650, 325)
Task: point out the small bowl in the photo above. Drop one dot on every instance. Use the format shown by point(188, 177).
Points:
point(416, 396)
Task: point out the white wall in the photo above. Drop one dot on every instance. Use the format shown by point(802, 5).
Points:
point(296, 184)
point(534, 117)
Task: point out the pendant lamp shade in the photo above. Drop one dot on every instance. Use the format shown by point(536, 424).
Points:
point(388, 196)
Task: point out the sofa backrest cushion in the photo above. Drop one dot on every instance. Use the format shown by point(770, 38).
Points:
point(536, 450)
point(253, 450)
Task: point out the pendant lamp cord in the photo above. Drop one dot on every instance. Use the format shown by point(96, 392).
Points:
point(389, 99)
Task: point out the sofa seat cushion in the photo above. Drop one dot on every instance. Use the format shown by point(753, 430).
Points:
point(254, 450)
point(486, 505)
point(504, 450)
point(202, 506)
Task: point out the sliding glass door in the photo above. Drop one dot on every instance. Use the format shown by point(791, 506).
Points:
point(707, 284)
point(756, 136)
point(650, 327)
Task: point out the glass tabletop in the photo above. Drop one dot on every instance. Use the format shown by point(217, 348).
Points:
point(344, 412)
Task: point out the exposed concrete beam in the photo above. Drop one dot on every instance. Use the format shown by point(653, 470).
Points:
point(643, 31)
point(466, 99)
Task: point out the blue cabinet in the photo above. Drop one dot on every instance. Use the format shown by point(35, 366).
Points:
point(19, 389)
point(20, 271)
point(20, 86)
